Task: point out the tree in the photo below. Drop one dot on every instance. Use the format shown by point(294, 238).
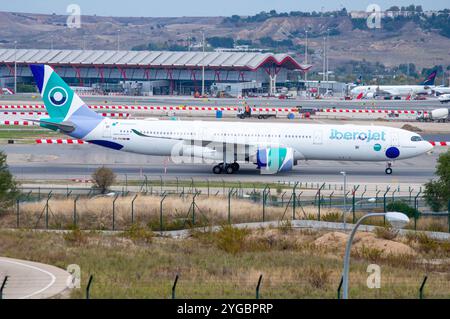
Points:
point(103, 178)
point(8, 187)
point(437, 193)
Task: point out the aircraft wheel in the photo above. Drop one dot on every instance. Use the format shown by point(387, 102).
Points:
point(217, 169)
point(388, 171)
point(229, 169)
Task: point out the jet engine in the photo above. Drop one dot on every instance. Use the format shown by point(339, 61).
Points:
point(275, 159)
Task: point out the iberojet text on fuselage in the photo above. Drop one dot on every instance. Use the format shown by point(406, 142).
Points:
point(368, 136)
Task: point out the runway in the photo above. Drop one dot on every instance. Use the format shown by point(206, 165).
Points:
point(67, 162)
point(31, 280)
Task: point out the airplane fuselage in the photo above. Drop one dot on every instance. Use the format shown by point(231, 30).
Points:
point(308, 141)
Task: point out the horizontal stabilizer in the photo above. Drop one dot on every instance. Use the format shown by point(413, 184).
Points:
point(66, 127)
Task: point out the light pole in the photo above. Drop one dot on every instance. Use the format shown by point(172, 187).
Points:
point(328, 48)
point(306, 55)
point(15, 67)
point(324, 58)
point(397, 220)
point(345, 197)
point(118, 40)
point(203, 65)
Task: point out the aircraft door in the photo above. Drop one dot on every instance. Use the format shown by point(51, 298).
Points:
point(318, 138)
point(395, 140)
point(107, 126)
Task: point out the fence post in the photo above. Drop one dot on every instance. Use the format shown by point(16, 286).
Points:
point(174, 287)
point(46, 209)
point(265, 193)
point(161, 213)
point(230, 192)
point(376, 198)
point(258, 286)
point(320, 198)
point(384, 198)
point(294, 200)
point(3, 286)
point(340, 287)
point(88, 288)
point(448, 218)
point(207, 185)
point(193, 208)
point(75, 210)
point(416, 208)
point(422, 287)
point(18, 213)
point(177, 183)
point(114, 213)
point(132, 208)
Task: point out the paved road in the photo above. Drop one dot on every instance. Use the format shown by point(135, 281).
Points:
point(31, 280)
point(167, 100)
point(65, 162)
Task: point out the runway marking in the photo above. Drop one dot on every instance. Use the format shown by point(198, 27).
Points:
point(53, 278)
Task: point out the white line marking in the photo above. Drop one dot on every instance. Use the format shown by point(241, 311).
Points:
point(53, 278)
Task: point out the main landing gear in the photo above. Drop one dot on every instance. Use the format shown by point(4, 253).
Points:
point(389, 168)
point(226, 168)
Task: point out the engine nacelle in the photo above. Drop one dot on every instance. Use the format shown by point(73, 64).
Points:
point(370, 95)
point(275, 159)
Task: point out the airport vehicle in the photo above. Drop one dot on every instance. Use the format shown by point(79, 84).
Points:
point(445, 98)
point(439, 115)
point(395, 91)
point(272, 148)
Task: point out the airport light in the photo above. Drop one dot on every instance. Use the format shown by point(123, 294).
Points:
point(397, 220)
point(15, 67)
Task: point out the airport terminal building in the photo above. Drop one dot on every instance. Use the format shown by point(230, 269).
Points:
point(157, 72)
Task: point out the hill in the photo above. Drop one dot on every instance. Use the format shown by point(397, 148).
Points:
point(414, 40)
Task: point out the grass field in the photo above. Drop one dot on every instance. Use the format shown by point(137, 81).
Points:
point(25, 133)
point(96, 213)
point(227, 264)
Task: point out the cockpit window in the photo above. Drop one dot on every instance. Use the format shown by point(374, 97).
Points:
point(416, 139)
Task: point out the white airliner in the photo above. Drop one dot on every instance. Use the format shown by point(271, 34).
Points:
point(271, 147)
point(371, 91)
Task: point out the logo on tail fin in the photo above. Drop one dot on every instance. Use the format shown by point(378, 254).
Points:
point(431, 78)
point(58, 96)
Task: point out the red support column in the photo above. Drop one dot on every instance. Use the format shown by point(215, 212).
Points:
point(78, 75)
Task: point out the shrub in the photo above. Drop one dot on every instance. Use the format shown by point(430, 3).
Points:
point(231, 239)
point(372, 254)
point(318, 277)
point(75, 236)
point(333, 217)
point(138, 233)
point(103, 178)
point(402, 207)
point(388, 233)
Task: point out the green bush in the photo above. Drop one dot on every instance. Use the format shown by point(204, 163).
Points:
point(402, 207)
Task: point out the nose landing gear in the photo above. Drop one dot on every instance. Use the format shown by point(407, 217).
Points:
point(226, 168)
point(388, 170)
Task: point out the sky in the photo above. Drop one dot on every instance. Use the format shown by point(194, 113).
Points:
point(177, 8)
